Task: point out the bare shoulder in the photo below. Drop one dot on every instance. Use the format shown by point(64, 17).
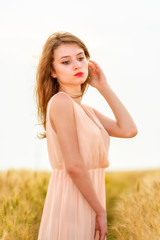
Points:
point(61, 111)
point(63, 119)
point(60, 102)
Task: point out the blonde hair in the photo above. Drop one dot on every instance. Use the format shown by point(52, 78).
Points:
point(46, 86)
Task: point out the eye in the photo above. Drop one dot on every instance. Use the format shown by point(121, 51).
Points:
point(66, 62)
point(81, 58)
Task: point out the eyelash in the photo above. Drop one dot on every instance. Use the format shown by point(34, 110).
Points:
point(66, 62)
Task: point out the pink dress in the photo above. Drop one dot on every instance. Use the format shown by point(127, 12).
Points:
point(67, 215)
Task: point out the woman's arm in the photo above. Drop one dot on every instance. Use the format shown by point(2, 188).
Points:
point(124, 126)
point(63, 118)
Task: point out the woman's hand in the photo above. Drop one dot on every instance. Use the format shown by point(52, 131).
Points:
point(101, 226)
point(97, 78)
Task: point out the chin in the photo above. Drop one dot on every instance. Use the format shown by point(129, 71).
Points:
point(83, 80)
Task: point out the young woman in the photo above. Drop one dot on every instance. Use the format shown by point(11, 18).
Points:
point(78, 138)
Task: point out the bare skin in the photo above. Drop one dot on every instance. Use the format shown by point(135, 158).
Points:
point(66, 67)
point(123, 126)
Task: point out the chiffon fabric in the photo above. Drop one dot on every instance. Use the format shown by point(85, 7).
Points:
point(66, 214)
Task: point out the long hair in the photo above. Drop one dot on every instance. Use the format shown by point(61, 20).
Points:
point(46, 86)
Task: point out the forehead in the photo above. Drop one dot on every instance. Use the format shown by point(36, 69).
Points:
point(66, 49)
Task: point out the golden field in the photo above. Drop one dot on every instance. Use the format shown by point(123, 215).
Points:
point(132, 202)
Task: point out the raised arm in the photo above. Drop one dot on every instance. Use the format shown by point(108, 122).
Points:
point(63, 118)
point(124, 125)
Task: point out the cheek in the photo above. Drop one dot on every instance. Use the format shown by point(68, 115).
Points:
point(64, 73)
point(85, 65)
point(61, 70)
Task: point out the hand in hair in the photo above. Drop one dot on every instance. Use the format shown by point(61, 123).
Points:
point(97, 77)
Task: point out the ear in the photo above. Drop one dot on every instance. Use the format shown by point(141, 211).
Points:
point(53, 74)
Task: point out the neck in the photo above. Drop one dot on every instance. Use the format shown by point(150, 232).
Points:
point(77, 96)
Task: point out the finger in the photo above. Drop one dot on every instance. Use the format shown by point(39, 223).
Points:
point(94, 64)
point(103, 236)
point(93, 69)
point(92, 61)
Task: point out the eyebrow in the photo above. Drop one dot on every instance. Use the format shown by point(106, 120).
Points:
point(69, 56)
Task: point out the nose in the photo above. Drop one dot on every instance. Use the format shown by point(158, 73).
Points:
point(77, 64)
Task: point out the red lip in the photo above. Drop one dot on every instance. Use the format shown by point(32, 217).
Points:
point(79, 74)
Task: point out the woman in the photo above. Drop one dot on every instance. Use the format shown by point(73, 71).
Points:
point(78, 138)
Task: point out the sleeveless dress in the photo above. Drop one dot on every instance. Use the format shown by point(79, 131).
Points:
point(66, 214)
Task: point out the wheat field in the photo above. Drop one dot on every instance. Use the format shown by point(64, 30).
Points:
point(132, 203)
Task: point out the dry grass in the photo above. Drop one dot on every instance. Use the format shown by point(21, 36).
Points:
point(132, 201)
point(22, 195)
point(137, 211)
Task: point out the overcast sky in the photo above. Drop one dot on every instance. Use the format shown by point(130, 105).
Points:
point(123, 38)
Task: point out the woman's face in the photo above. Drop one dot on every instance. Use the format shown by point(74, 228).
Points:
point(70, 59)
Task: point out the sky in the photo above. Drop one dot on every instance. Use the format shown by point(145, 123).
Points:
point(122, 37)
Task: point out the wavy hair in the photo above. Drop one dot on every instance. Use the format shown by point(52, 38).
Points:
point(46, 86)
